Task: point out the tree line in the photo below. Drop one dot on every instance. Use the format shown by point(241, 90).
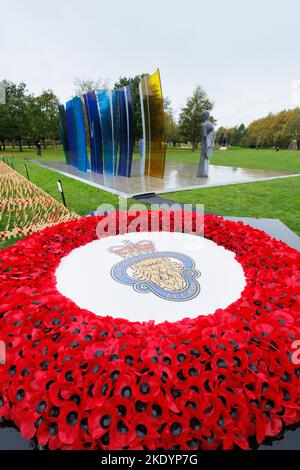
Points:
point(275, 130)
point(27, 119)
point(279, 130)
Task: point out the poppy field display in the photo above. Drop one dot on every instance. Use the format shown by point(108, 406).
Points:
point(25, 208)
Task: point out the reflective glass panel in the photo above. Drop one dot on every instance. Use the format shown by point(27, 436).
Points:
point(153, 160)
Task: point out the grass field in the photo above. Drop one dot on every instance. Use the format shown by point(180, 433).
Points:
point(277, 199)
point(266, 159)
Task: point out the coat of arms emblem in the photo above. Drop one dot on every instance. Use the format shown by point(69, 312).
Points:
point(168, 274)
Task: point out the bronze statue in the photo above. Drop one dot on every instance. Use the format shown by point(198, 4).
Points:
point(207, 144)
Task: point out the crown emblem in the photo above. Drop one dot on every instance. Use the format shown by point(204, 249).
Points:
point(130, 250)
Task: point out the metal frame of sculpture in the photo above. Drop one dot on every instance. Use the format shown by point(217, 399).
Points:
point(109, 115)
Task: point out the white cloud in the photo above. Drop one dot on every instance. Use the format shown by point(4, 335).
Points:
point(245, 55)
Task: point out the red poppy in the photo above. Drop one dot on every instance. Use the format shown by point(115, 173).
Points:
point(74, 380)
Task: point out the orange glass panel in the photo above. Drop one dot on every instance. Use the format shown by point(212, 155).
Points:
point(153, 124)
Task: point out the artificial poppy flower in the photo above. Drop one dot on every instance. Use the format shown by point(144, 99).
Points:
point(74, 380)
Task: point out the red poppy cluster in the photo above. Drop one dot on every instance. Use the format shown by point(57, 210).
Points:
point(74, 380)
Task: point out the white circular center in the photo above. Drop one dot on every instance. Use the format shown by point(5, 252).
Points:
point(160, 276)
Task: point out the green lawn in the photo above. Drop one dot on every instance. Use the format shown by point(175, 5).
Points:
point(276, 199)
point(266, 159)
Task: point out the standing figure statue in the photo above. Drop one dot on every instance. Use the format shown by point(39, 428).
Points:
point(207, 144)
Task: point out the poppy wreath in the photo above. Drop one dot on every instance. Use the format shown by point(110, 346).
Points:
point(74, 380)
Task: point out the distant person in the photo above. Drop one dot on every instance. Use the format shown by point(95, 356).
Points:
point(38, 148)
point(277, 148)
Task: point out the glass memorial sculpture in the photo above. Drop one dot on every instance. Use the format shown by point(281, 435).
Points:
point(95, 131)
point(71, 129)
point(110, 127)
point(80, 136)
point(126, 131)
point(63, 132)
point(154, 149)
point(108, 111)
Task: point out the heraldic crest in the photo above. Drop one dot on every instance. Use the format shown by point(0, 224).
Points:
point(168, 274)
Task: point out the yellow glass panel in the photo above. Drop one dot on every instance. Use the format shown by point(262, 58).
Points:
point(155, 149)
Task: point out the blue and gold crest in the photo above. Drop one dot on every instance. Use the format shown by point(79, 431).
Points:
point(167, 274)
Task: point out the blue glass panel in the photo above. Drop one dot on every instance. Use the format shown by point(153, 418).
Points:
point(95, 131)
point(71, 132)
point(109, 124)
point(82, 161)
point(63, 132)
point(126, 131)
point(115, 122)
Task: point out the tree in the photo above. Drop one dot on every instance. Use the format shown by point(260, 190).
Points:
point(238, 134)
point(221, 135)
point(84, 85)
point(291, 128)
point(47, 116)
point(235, 134)
point(274, 130)
point(13, 116)
point(4, 125)
point(172, 129)
point(136, 103)
point(28, 117)
point(190, 116)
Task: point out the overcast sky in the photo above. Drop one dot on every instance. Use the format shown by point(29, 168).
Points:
point(244, 53)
